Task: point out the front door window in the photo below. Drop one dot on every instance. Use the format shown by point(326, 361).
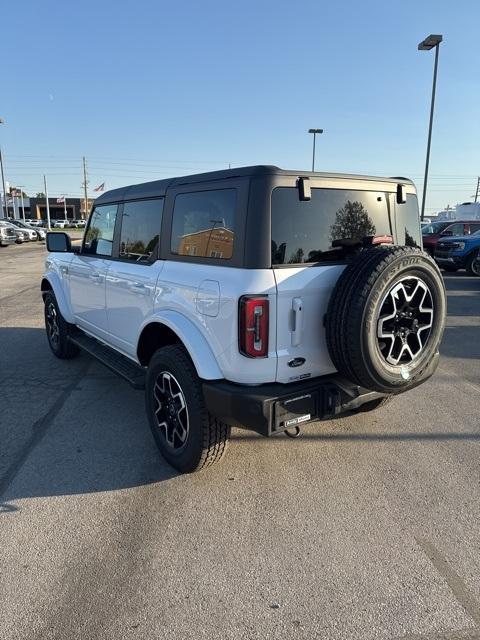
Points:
point(99, 235)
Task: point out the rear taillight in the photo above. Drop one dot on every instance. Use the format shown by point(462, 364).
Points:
point(253, 326)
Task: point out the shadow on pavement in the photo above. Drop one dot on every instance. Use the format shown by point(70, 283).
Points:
point(68, 427)
point(428, 436)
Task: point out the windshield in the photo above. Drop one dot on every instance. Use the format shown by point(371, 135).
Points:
point(435, 227)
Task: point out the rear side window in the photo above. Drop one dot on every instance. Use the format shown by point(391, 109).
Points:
point(203, 224)
point(303, 231)
point(474, 227)
point(457, 229)
point(408, 222)
point(140, 230)
point(99, 235)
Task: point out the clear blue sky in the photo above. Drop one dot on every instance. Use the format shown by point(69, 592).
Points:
point(150, 89)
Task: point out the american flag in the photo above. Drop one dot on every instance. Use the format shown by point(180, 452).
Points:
point(101, 187)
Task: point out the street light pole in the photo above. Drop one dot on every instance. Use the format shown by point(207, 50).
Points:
point(433, 41)
point(314, 131)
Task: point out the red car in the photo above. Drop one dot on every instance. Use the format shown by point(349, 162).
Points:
point(433, 232)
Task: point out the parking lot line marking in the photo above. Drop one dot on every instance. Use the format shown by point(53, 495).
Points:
point(454, 581)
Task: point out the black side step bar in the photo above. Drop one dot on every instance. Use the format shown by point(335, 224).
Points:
point(119, 364)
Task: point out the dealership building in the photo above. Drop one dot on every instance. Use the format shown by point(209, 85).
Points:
point(36, 208)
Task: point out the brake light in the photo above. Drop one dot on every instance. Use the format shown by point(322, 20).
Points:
point(253, 326)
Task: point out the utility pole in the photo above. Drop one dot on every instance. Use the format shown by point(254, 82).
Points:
point(85, 186)
point(46, 200)
point(65, 207)
point(478, 189)
point(21, 200)
point(23, 208)
point(3, 185)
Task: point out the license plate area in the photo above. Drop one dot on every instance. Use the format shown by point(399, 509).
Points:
point(296, 410)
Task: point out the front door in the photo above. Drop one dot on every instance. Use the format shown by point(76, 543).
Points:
point(88, 271)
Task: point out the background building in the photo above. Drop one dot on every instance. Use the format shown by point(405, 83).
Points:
point(36, 208)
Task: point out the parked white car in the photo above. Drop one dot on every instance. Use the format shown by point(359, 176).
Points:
point(253, 297)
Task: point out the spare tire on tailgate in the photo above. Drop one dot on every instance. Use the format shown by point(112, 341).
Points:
point(386, 317)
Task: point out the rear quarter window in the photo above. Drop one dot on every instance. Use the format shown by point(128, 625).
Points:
point(303, 231)
point(204, 224)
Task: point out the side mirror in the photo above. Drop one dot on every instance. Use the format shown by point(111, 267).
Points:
point(401, 194)
point(58, 242)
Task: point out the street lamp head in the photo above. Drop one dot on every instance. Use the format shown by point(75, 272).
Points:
point(430, 42)
point(315, 131)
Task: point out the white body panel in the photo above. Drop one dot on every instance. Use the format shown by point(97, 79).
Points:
point(303, 294)
point(87, 293)
point(190, 290)
point(116, 300)
point(130, 289)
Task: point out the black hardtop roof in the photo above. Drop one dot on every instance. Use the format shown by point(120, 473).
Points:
point(159, 187)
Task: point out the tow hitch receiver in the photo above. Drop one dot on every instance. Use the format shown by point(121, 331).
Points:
point(290, 413)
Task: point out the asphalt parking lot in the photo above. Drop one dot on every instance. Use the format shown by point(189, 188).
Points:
point(366, 527)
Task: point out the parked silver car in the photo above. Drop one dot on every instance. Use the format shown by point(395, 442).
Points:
point(34, 234)
point(29, 232)
point(7, 235)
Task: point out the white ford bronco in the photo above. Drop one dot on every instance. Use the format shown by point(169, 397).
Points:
point(253, 297)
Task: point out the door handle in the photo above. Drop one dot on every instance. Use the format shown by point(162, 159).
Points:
point(297, 306)
point(138, 287)
point(96, 277)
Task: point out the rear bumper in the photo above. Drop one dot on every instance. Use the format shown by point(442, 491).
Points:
point(271, 408)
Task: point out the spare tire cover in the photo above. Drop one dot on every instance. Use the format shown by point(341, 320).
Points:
point(386, 318)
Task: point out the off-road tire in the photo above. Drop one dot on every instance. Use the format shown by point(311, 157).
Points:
point(473, 264)
point(207, 437)
point(61, 347)
point(353, 316)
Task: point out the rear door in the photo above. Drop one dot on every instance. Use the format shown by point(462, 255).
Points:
point(131, 279)
point(307, 266)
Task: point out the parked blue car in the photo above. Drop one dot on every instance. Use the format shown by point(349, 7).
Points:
point(459, 252)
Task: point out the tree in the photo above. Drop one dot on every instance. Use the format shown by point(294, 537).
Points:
point(40, 195)
point(352, 221)
point(409, 239)
point(297, 257)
